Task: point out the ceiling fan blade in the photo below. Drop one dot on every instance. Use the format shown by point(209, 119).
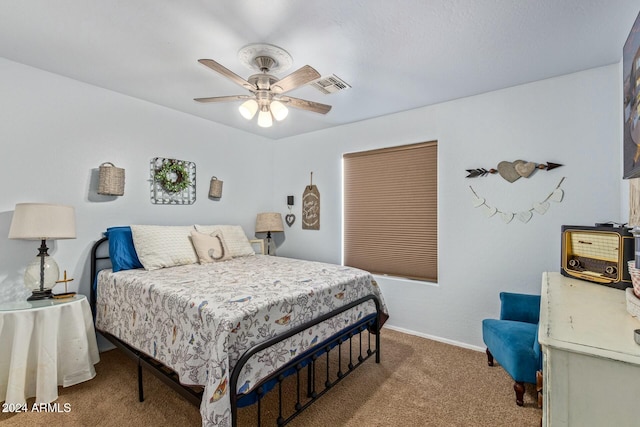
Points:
point(303, 104)
point(296, 79)
point(227, 73)
point(223, 98)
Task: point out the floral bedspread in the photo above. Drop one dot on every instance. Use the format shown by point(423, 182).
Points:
point(200, 319)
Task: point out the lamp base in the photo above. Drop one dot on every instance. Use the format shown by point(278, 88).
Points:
point(40, 294)
point(270, 245)
point(43, 272)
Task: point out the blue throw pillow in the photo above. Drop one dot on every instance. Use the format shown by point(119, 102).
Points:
point(121, 250)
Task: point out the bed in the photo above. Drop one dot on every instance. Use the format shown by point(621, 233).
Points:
point(225, 333)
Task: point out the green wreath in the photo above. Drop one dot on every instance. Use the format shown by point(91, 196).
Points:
point(165, 174)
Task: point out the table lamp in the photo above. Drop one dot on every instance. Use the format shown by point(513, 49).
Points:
point(268, 222)
point(42, 221)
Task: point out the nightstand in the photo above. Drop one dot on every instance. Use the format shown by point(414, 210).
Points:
point(45, 344)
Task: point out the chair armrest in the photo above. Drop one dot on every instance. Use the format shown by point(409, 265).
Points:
point(519, 307)
point(537, 350)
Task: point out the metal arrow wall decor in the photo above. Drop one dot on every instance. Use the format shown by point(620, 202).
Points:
point(512, 171)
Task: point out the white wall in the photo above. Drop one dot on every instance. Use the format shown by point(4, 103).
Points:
point(55, 132)
point(574, 120)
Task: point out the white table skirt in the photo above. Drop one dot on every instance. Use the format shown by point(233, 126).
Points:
point(46, 346)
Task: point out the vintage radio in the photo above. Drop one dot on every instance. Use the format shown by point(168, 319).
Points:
point(597, 254)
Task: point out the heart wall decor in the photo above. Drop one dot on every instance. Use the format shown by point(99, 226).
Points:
point(507, 170)
point(512, 171)
point(290, 219)
point(523, 216)
point(541, 208)
point(525, 169)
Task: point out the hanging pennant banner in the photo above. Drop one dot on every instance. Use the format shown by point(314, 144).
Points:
point(311, 207)
point(523, 216)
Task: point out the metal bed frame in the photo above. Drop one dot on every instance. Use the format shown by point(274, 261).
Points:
point(315, 387)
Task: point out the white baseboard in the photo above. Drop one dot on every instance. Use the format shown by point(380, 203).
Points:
point(434, 338)
point(105, 345)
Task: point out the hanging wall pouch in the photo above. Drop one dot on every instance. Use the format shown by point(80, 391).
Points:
point(111, 180)
point(215, 188)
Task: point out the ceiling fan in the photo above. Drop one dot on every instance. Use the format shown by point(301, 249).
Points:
point(267, 91)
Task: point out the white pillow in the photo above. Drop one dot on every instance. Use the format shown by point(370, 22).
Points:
point(160, 246)
point(210, 247)
point(234, 237)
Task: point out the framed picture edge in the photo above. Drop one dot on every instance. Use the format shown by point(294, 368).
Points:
point(631, 103)
point(257, 245)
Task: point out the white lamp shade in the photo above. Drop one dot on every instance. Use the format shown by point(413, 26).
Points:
point(248, 109)
point(278, 110)
point(264, 118)
point(269, 221)
point(42, 221)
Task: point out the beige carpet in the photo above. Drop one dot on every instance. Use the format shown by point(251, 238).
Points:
point(418, 383)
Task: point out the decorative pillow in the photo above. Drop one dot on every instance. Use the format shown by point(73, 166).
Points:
point(160, 246)
point(210, 247)
point(234, 237)
point(121, 250)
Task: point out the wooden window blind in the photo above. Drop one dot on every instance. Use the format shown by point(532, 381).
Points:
point(391, 211)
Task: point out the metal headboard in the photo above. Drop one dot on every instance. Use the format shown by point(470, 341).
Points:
point(95, 258)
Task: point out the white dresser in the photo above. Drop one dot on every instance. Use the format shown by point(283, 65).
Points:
point(591, 363)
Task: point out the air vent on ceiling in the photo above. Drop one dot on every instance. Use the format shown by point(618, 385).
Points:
point(330, 84)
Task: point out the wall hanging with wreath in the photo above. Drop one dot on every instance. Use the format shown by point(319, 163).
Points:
point(173, 182)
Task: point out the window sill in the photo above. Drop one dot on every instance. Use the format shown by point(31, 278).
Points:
point(400, 279)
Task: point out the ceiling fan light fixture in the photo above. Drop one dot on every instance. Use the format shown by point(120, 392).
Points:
point(248, 109)
point(264, 118)
point(267, 99)
point(278, 110)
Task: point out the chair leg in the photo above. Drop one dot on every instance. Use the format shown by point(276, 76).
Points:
point(539, 387)
point(140, 388)
point(519, 389)
point(489, 358)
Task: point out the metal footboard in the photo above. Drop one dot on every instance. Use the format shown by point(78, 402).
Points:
point(315, 388)
point(309, 361)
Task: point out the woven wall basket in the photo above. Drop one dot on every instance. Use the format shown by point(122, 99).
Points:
point(111, 182)
point(215, 188)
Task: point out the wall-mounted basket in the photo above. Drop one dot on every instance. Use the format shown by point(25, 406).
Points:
point(111, 180)
point(215, 188)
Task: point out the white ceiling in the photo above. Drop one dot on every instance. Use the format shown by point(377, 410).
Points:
point(396, 55)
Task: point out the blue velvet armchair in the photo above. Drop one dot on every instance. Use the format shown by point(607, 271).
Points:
point(513, 339)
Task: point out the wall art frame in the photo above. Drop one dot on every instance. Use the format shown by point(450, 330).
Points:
point(257, 245)
point(173, 181)
point(631, 103)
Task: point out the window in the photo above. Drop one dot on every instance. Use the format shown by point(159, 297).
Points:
point(391, 211)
